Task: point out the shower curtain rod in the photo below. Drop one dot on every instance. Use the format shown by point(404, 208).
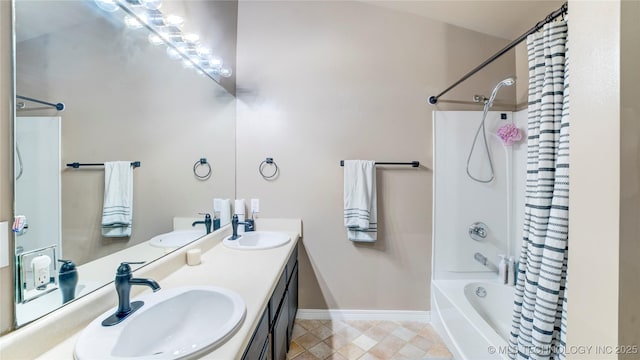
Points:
point(561, 11)
point(58, 106)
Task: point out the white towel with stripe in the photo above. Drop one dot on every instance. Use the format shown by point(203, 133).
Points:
point(360, 202)
point(117, 210)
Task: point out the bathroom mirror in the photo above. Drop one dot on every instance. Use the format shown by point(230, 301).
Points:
point(124, 99)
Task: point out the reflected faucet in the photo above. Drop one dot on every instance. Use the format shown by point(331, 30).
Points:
point(123, 283)
point(207, 223)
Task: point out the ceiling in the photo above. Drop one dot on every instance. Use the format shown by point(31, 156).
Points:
point(506, 19)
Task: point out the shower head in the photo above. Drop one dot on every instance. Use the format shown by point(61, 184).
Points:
point(506, 82)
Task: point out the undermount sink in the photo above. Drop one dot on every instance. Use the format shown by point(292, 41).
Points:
point(257, 240)
point(177, 323)
point(175, 239)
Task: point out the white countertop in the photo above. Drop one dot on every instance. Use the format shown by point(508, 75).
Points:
point(252, 274)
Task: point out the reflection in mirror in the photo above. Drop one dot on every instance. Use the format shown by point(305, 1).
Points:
point(124, 100)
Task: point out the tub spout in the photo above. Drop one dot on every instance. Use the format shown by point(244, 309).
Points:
point(480, 258)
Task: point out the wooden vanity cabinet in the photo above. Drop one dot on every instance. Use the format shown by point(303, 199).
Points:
point(271, 339)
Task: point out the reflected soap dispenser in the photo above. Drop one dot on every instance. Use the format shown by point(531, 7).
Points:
point(68, 280)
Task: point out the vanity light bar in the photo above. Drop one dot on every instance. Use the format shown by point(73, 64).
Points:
point(167, 29)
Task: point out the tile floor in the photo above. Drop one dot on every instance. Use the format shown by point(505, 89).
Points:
point(365, 340)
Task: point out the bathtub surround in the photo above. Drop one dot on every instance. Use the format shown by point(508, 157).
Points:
point(459, 203)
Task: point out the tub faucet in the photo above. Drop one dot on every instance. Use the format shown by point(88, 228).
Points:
point(248, 226)
point(480, 258)
point(123, 283)
point(207, 222)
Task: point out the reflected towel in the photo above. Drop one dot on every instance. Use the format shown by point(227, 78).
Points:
point(117, 211)
point(360, 202)
point(223, 209)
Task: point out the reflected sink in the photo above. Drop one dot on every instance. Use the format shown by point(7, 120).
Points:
point(176, 238)
point(177, 323)
point(257, 240)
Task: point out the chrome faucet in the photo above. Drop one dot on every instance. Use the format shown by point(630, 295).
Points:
point(123, 283)
point(207, 222)
point(248, 226)
point(480, 258)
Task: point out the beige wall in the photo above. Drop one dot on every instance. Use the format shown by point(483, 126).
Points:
point(629, 311)
point(522, 76)
point(6, 185)
point(319, 82)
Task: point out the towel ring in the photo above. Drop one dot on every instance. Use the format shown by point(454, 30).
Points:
point(202, 162)
point(268, 161)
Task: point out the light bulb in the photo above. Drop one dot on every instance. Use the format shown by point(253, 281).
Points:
point(225, 71)
point(107, 5)
point(203, 51)
point(183, 48)
point(151, 4)
point(173, 53)
point(192, 38)
point(174, 20)
point(215, 61)
point(187, 64)
point(133, 23)
point(155, 39)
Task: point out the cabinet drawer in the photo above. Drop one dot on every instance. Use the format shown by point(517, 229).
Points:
point(276, 298)
point(291, 263)
point(259, 338)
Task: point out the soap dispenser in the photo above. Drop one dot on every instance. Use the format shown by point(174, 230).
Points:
point(216, 220)
point(67, 280)
point(511, 271)
point(502, 270)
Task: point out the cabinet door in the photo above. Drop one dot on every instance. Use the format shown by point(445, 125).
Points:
point(266, 350)
point(293, 302)
point(259, 338)
point(279, 334)
point(276, 298)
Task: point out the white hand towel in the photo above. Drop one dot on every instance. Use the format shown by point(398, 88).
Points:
point(223, 208)
point(117, 211)
point(360, 202)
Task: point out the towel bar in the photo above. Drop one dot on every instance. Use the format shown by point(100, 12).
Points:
point(412, 163)
point(76, 165)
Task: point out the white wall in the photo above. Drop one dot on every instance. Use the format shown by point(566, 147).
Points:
point(323, 81)
point(594, 244)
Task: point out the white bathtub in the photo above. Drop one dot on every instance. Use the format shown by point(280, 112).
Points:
point(474, 327)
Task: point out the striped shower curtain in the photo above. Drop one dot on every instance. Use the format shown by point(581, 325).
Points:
point(539, 319)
